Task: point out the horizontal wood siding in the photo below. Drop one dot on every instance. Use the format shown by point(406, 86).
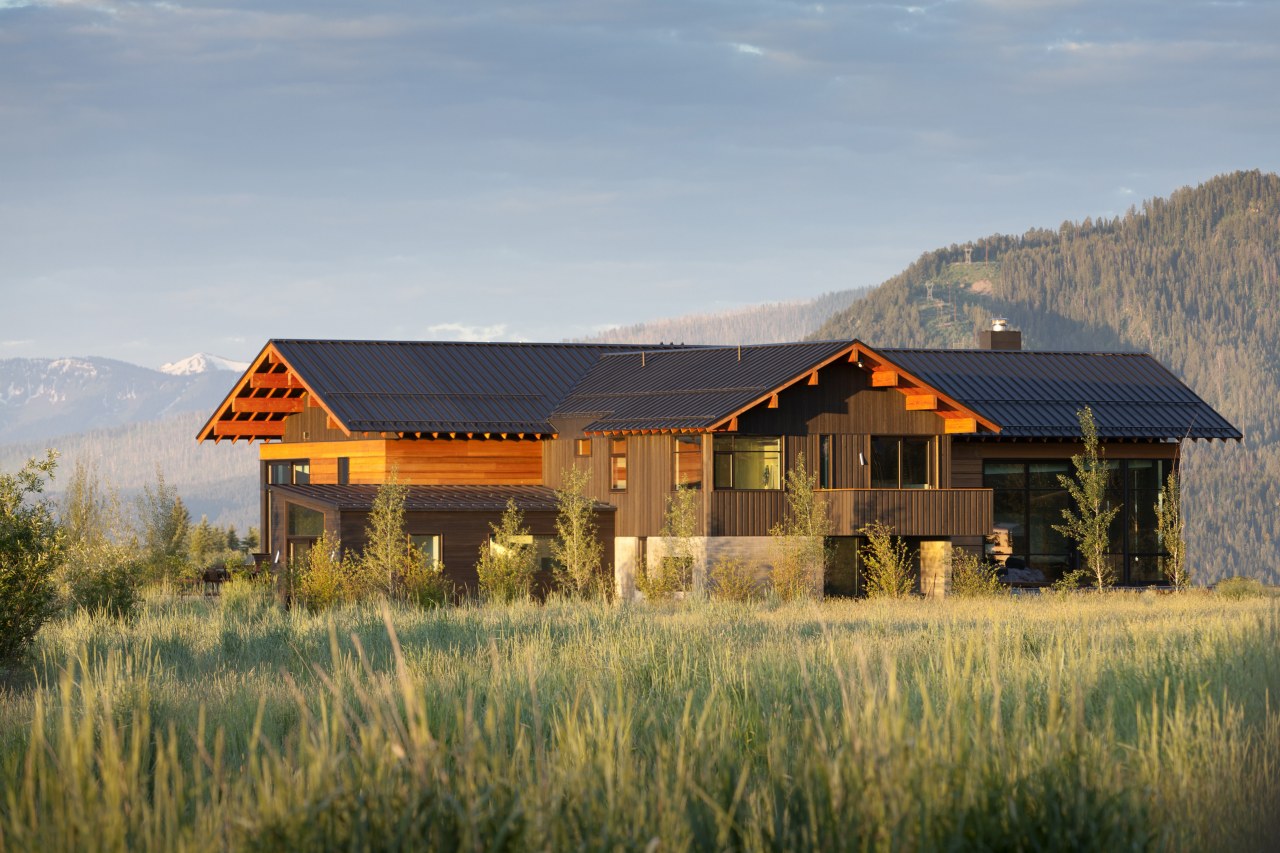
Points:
point(910, 512)
point(425, 462)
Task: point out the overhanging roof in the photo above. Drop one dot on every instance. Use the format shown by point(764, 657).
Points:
point(1037, 394)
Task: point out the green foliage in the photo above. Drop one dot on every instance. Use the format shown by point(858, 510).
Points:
point(577, 549)
point(673, 573)
point(973, 577)
point(422, 581)
point(1089, 524)
point(800, 538)
point(31, 547)
point(508, 561)
point(1086, 723)
point(1071, 581)
point(736, 580)
point(245, 598)
point(328, 577)
point(164, 532)
point(102, 567)
point(251, 542)
point(1171, 530)
point(889, 569)
point(1237, 588)
point(385, 554)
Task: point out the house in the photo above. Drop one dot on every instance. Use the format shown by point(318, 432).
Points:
point(948, 447)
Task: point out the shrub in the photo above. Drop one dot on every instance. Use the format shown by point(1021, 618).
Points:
point(422, 580)
point(1237, 588)
point(973, 577)
point(244, 597)
point(889, 571)
point(102, 570)
point(577, 550)
point(112, 587)
point(508, 560)
point(31, 547)
point(1071, 581)
point(735, 580)
point(674, 572)
point(801, 563)
point(326, 577)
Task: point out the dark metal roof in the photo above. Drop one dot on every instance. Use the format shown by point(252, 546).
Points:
point(430, 386)
point(1037, 394)
point(434, 498)
point(686, 388)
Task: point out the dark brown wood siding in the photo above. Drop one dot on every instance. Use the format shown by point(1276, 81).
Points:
point(910, 512)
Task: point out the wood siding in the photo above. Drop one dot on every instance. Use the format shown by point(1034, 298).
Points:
point(425, 462)
point(910, 512)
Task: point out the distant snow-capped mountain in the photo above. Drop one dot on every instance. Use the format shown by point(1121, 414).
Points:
point(202, 362)
point(41, 398)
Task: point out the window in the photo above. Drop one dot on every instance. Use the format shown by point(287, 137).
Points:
point(688, 461)
point(344, 470)
point(824, 462)
point(747, 462)
point(618, 464)
point(1029, 500)
point(541, 549)
point(428, 544)
point(899, 463)
point(582, 447)
point(302, 527)
point(295, 472)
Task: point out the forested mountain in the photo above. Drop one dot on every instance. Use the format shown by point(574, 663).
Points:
point(220, 481)
point(1191, 279)
point(756, 324)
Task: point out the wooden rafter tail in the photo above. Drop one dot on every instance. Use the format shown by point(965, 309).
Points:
point(813, 378)
point(960, 425)
point(773, 401)
point(881, 378)
point(922, 402)
point(273, 380)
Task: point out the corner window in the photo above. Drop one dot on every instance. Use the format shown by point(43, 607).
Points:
point(295, 472)
point(304, 521)
point(618, 464)
point(899, 463)
point(688, 461)
point(582, 447)
point(747, 462)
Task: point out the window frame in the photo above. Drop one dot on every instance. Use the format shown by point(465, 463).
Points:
point(582, 448)
point(614, 456)
point(696, 441)
point(826, 461)
point(731, 454)
point(901, 441)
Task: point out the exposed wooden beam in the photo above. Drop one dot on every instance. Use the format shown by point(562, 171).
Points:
point(922, 402)
point(960, 425)
point(249, 429)
point(884, 378)
point(273, 380)
point(285, 405)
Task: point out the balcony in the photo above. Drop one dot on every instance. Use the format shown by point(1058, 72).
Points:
point(910, 512)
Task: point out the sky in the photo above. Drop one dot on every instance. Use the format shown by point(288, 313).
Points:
point(184, 176)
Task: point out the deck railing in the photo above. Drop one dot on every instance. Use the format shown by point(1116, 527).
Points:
point(910, 512)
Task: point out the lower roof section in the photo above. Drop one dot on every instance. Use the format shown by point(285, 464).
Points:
point(434, 498)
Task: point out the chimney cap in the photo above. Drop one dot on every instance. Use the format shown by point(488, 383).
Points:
point(999, 324)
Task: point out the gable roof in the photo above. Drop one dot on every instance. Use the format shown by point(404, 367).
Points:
point(1037, 394)
point(687, 389)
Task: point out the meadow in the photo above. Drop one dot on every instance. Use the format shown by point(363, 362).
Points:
point(1116, 721)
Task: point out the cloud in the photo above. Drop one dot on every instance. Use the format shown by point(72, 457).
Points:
point(742, 47)
point(464, 332)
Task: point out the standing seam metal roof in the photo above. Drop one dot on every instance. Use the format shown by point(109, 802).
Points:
point(1037, 394)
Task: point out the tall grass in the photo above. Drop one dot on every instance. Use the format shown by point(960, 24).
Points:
point(1116, 722)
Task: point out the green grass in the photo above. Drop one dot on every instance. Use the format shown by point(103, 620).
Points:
point(1084, 722)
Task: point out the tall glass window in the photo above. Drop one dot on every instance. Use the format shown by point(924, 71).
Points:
point(1029, 500)
point(618, 464)
point(899, 462)
point(825, 479)
point(688, 461)
point(747, 462)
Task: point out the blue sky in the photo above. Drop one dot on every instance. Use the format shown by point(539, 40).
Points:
point(203, 176)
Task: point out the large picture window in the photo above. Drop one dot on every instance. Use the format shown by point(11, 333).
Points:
point(747, 462)
point(688, 461)
point(900, 462)
point(1029, 500)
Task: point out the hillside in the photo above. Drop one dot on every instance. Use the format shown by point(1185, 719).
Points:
point(1191, 279)
point(756, 324)
point(220, 481)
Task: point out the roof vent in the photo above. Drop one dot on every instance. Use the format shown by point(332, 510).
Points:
point(1000, 337)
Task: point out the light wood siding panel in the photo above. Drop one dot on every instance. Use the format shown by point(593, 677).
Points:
point(456, 462)
point(368, 458)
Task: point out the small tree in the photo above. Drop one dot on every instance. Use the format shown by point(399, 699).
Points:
point(1089, 524)
point(385, 539)
point(102, 569)
point(577, 550)
point(508, 561)
point(326, 577)
point(801, 537)
point(30, 550)
point(674, 572)
point(888, 562)
point(1172, 533)
point(164, 528)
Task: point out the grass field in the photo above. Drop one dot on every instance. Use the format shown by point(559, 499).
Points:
point(1115, 722)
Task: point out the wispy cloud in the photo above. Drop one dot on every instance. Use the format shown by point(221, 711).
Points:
point(464, 332)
